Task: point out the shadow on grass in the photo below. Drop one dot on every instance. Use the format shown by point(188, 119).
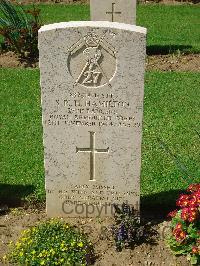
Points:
point(13, 195)
point(167, 49)
point(157, 206)
point(153, 207)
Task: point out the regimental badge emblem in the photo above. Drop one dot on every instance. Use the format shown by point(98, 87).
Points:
point(92, 61)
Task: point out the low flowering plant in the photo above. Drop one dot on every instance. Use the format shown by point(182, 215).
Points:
point(51, 243)
point(184, 238)
point(128, 230)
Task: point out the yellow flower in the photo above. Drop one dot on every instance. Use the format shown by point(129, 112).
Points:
point(72, 244)
point(64, 249)
point(52, 251)
point(24, 239)
point(18, 244)
point(62, 245)
point(26, 231)
point(21, 254)
point(80, 244)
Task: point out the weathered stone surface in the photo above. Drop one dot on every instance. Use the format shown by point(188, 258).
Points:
point(92, 83)
point(123, 11)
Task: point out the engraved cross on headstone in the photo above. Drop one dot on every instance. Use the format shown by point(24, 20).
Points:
point(92, 150)
point(113, 12)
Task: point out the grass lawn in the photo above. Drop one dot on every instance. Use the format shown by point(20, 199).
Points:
point(21, 131)
point(170, 28)
point(171, 113)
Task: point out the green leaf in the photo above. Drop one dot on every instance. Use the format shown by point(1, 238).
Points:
point(193, 259)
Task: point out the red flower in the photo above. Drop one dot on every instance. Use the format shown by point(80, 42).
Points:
point(177, 229)
point(183, 201)
point(172, 214)
point(193, 214)
point(195, 250)
point(178, 226)
point(185, 214)
point(197, 195)
point(189, 214)
point(193, 201)
point(194, 188)
point(180, 235)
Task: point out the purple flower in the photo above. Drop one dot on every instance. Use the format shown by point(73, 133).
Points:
point(122, 233)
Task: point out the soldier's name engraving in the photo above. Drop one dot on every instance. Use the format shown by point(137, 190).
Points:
point(93, 109)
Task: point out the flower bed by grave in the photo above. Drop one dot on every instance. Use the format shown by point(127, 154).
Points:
point(185, 225)
point(51, 243)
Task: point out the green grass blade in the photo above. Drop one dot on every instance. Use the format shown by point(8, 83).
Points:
point(12, 14)
point(177, 161)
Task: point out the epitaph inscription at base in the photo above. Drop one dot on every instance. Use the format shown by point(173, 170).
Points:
point(92, 83)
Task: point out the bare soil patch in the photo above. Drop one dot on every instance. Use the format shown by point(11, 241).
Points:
point(155, 254)
point(190, 62)
point(10, 59)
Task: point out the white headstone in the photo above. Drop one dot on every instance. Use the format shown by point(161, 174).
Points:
point(92, 82)
point(123, 11)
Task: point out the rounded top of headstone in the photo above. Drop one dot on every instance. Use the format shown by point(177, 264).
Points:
point(97, 24)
